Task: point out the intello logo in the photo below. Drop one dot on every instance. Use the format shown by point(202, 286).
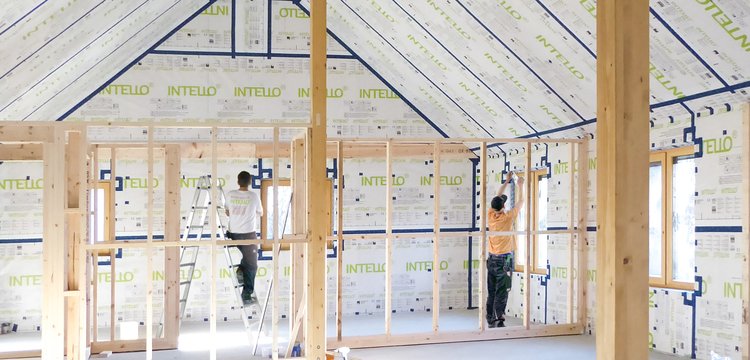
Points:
point(718, 146)
point(21, 184)
point(292, 13)
point(126, 90)
point(257, 91)
point(183, 90)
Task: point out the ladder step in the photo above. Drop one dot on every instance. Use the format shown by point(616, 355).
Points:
point(188, 264)
point(196, 226)
point(183, 300)
point(184, 282)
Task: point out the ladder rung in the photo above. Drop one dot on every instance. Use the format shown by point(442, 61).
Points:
point(196, 226)
point(183, 300)
point(188, 264)
point(200, 207)
point(184, 282)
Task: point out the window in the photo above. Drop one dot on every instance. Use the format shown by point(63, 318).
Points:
point(538, 203)
point(672, 218)
point(100, 219)
point(285, 210)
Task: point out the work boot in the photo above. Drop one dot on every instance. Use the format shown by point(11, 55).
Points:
point(240, 276)
point(491, 324)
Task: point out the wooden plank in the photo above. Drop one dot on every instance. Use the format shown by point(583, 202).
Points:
point(571, 239)
point(746, 226)
point(121, 346)
point(622, 179)
point(19, 131)
point(53, 245)
point(340, 242)
point(436, 240)
point(150, 250)
point(583, 204)
point(276, 249)
point(317, 212)
point(388, 238)
point(483, 231)
point(212, 226)
point(20, 354)
point(21, 152)
point(528, 250)
point(360, 342)
point(299, 218)
point(172, 173)
point(111, 239)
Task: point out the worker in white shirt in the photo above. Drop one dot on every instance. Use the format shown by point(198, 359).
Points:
point(244, 209)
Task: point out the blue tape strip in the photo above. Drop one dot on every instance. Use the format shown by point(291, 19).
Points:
point(22, 17)
point(85, 47)
point(718, 229)
point(52, 39)
point(415, 67)
point(464, 65)
point(132, 63)
point(245, 54)
point(234, 27)
point(685, 44)
point(519, 59)
point(380, 77)
point(269, 35)
point(570, 32)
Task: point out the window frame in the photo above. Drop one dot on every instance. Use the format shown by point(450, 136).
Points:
point(666, 158)
point(531, 201)
point(108, 233)
point(266, 244)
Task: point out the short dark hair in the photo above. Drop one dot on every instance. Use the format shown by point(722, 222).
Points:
point(498, 202)
point(243, 178)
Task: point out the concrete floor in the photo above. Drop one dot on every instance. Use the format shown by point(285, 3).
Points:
point(233, 341)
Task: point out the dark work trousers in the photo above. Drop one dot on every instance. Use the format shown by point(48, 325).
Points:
point(249, 262)
point(499, 280)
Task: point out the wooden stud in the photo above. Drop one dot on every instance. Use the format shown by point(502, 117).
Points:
point(483, 233)
point(622, 179)
point(172, 220)
point(317, 214)
point(340, 242)
point(571, 239)
point(150, 250)
point(528, 253)
point(583, 196)
point(112, 238)
point(276, 248)
point(23, 132)
point(212, 225)
point(436, 240)
point(21, 152)
point(388, 237)
point(53, 244)
point(746, 225)
point(299, 218)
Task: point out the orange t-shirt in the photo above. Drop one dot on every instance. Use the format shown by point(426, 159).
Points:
point(501, 221)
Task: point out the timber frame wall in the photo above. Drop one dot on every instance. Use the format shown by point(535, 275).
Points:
point(70, 174)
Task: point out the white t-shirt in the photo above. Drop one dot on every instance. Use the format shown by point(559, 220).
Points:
point(244, 210)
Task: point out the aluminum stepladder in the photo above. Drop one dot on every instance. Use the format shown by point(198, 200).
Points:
point(199, 210)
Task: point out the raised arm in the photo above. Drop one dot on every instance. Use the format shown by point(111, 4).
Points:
point(508, 179)
point(522, 199)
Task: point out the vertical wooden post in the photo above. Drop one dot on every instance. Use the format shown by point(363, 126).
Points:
point(571, 239)
point(112, 238)
point(746, 225)
point(150, 249)
point(212, 225)
point(94, 284)
point(528, 252)
point(340, 242)
point(582, 271)
point(276, 248)
point(388, 236)
point(317, 211)
point(75, 162)
point(622, 179)
point(436, 240)
point(483, 230)
point(172, 175)
point(53, 247)
point(299, 219)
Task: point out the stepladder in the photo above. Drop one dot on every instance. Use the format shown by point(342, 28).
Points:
point(197, 226)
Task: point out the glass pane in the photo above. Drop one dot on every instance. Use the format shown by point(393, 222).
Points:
point(655, 226)
point(97, 217)
point(284, 204)
point(541, 224)
point(683, 219)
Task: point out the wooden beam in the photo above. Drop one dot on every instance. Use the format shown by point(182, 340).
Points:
point(149, 250)
point(571, 218)
point(483, 231)
point(340, 242)
point(53, 246)
point(276, 249)
point(746, 225)
point(388, 238)
point(622, 179)
point(317, 211)
point(436, 239)
point(583, 204)
point(28, 133)
point(528, 263)
point(21, 152)
point(299, 218)
point(172, 218)
point(212, 226)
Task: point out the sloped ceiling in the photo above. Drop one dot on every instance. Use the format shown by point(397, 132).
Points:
point(510, 68)
point(56, 54)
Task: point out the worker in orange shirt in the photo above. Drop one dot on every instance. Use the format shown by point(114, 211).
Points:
point(500, 257)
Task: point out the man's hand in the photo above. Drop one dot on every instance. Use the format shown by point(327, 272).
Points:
point(509, 177)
